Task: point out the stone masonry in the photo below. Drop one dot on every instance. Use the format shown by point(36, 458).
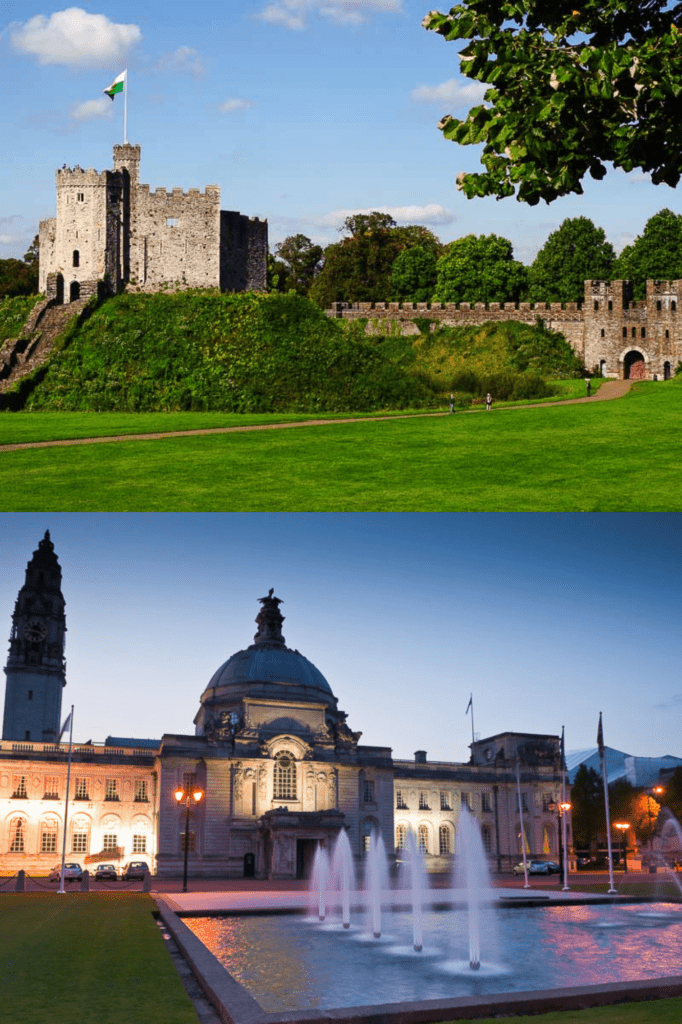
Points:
point(111, 232)
point(612, 334)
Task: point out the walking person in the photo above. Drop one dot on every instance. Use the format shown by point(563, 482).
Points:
point(452, 404)
point(488, 402)
point(588, 386)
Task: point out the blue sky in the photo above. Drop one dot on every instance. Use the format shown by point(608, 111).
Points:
point(547, 618)
point(303, 111)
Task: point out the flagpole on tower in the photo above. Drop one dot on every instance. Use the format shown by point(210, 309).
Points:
point(125, 112)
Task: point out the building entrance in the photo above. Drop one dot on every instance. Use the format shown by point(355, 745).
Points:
point(634, 366)
point(305, 855)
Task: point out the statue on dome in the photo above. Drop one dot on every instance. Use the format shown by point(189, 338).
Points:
point(269, 620)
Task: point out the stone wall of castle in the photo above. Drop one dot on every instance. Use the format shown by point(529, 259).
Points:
point(608, 330)
point(243, 252)
point(111, 231)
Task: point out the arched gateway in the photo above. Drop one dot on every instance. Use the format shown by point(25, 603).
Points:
point(634, 366)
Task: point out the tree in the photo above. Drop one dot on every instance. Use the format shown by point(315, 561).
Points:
point(656, 253)
point(479, 268)
point(576, 251)
point(587, 807)
point(358, 268)
point(413, 275)
point(673, 793)
point(32, 254)
point(302, 259)
point(570, 90)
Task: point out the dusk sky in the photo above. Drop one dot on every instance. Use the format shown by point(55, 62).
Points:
point(547, 618)
point(303, 111)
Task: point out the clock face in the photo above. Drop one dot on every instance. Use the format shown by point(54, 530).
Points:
point(35, 630)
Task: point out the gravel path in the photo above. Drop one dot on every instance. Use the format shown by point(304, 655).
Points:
point(612, 389)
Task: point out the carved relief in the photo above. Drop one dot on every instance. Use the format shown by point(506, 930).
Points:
point(262, 783)
point(238, 780)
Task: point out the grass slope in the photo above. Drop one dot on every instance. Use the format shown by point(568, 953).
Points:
point(607, 456)
point(13, 314)
point(205, 351)
point(86, 957)
point(658, 1011)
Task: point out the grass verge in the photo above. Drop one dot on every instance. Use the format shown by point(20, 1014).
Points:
point(607, 456)
point(86, 957)
point(658, 1011)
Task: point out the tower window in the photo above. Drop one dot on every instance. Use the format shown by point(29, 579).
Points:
point(81, 197)
point(602, 332)
point(285, 777)
point(27, 734)
point(596, 305)
point(368, 795)
point(625, 332)
point(644, 332)
point(111, 789)
point(171, 222)
point(82, 789)
point(30, 694)
point(76, 258)
point(658, 305)
point(673, 305)
point(610, 305)
point(19, 787)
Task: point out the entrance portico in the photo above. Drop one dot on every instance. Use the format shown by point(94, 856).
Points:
point(288, 840)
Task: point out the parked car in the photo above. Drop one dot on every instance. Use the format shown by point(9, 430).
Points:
point(106, 871)
point(72, 873)
point(134, 869)
point(538, 867)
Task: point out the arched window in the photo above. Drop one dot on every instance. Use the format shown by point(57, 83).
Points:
point(547, 839)
point(16, 835)
point(285, 776)
point(444, 839)
point(48, 836)
point(400, 837)
point(76, 258)
point(423, 838)
point(487, 839)
point(666, 371)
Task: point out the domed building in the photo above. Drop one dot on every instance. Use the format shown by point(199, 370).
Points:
point(278, 767)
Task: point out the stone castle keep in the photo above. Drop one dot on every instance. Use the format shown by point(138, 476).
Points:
point(610, 332)
point(111, 232)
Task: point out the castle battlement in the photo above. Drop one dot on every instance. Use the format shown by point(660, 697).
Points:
point(524, 308)
point(211, 192)
point(111, 231)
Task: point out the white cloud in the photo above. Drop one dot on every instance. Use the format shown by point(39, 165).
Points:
point(75, 38)
point(229, 106)
point(6, 239)
point(294, 14)
point(432, 213)
point(91, 110)
point(454, 91)
point(185, 60)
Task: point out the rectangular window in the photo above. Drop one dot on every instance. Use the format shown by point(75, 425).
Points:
point(48, 840)
point(400, 800)
point(81, 197)
point(546, 801)
point(423, 800)
point(17, 835)
point(486, 804)
point(444, 840)
point(171, 222)
point(368, 791)
point(79, 843)
point(524, 803)
point(51, 787)
point(366, 843)
point(445, 800)
point(82, 789)
point(139, 844)
point(467, 801)
point(141, 795)
point(109, 843)
point(19, 784)
point(191, 846)
point(111, 792)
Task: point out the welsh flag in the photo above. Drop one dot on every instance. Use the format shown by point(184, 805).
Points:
point(116, 85)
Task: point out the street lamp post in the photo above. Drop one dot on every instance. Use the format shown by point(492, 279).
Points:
point(657, 790)
point(180, 795)
point(561, 809)
point(623, 827)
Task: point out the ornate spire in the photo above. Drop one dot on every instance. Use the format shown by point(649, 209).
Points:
point(269, 620)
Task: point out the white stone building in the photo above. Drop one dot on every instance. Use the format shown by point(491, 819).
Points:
point(279, 768)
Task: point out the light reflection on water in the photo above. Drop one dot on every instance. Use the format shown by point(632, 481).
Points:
point(289, 962)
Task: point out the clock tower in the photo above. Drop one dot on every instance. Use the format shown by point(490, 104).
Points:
point(36, 668)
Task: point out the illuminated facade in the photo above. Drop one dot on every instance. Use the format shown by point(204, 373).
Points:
point(279, 767)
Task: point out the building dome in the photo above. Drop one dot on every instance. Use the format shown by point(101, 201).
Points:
point(267, 670)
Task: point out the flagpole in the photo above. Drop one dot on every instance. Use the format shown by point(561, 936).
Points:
point(66, 803)
point(564, 811)
point(125, 110)
point(523, 832)
point(600, 744)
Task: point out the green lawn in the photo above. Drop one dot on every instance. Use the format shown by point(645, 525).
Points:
point(86, 958)
point(607, 456)
point(657, 1011)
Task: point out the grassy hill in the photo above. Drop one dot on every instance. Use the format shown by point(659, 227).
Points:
point(13, 314)
point(202, 350)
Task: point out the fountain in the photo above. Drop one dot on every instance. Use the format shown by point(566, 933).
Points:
point(471, 872)
point(320, 879)
point(415, 861)
point(343, 873)
point(376, 880)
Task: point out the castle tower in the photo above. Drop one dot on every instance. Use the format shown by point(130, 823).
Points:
point(127, 163)
point(36, 668)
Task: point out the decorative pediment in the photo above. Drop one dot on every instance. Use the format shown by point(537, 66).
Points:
point(301, 750)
